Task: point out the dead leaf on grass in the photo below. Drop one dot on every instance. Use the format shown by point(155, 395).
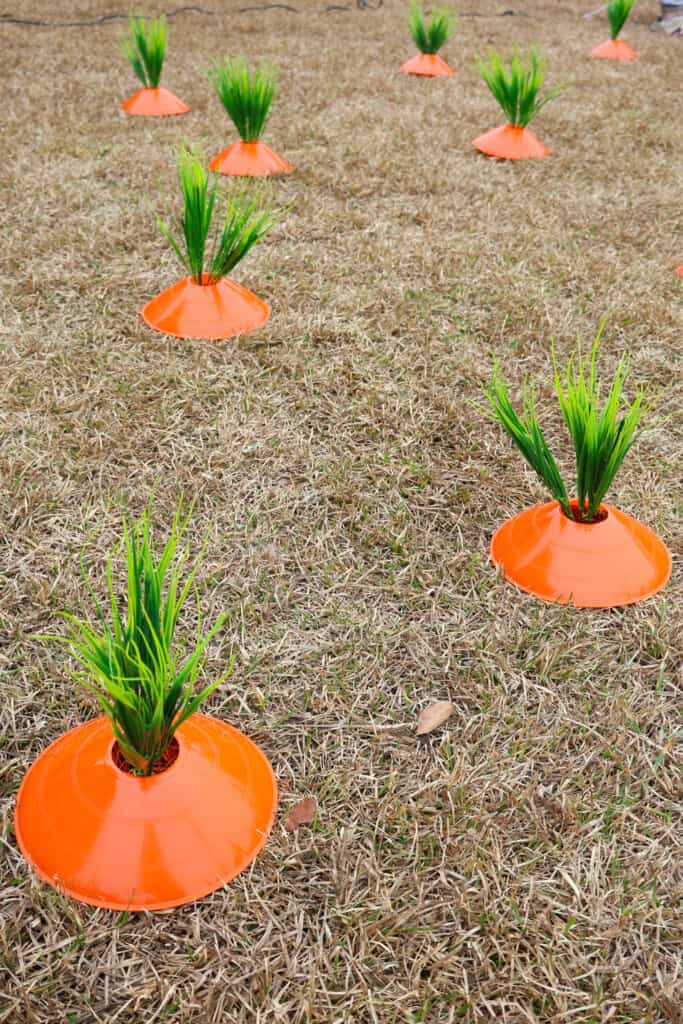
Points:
point(302, 813)
point(434, 716)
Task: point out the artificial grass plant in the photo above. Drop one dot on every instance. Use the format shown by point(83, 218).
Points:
point(145, 48)
point(246, 96)
point(430, 36)
point(516, 86)
point(601, 436)
point(247, 217)
point(128, 661)
point(618, 12)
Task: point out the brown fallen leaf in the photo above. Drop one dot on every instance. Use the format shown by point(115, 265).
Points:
point(434, 716)
point(302, 813)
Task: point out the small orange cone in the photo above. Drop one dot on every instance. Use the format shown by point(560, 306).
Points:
point(614, 49)
point(511, 142)
point(679, 271)
point(252, 159)
point(429, 65)
point(612, 562)
point(211, 310)
point(154, 103)
point(115, 840)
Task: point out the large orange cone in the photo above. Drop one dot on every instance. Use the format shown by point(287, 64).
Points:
point(127, 843)
point(252, 159)
point(154, 103)
point(430, 65)
point(212, 310)
point(614, 49)
point(606, 564)
point(510, 142)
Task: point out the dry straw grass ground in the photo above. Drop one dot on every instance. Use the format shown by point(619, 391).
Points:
point(523, 863)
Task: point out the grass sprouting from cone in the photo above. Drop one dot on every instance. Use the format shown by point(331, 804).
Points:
point(145, 48)
point(430, 36)
point(246, 218)
point(527, 434)
point(516, 86)
point(246, 96)
point(127, 660)
point(601, 437)
point(618, 12)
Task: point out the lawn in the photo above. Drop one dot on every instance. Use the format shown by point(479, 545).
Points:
point(522, 863)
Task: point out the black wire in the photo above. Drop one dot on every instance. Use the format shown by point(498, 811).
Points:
point(10, 19)
point(361, 5)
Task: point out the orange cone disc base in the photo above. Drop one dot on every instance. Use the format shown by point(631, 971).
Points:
point(605, 565)
point(430, 65)
point(614, 49)
point(212, 311)
point(122, 842)
point(252, 159)
point(510, 142)
point(154, 103)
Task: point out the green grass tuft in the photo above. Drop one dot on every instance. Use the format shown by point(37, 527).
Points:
point(430, 36)
point(128, 662)
point(601, 437)
point(246, 96)
point(618, 12)
point(527, 434)
point(145, 48)
point(247, 217)
point(516, 87)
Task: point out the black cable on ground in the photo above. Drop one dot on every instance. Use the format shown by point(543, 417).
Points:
point(11, 19)
point(360, 5)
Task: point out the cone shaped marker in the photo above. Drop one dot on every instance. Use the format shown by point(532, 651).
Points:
point(154, 103)
point(123, 842)
point(249, 159)
point(606, 564)
point(511, 142)
point(213, 311)
point(614, 49)
point(428, 65)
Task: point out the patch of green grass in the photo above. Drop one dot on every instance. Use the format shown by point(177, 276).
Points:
point(602, 435)
point(247, 217)
point(516, 85)
point(618, 12)
point(145, 48)
point(127, 660)
point(246, 96)
point(430, 36)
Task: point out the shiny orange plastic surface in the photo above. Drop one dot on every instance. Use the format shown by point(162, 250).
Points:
point(429, 65)
point(510, 142)
point(614, 49)
point(604, 565)
point(154, 103)
point(249, 159)
point(122, 842)
point(212, 311)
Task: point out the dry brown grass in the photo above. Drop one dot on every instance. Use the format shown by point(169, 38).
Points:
point(522, 864)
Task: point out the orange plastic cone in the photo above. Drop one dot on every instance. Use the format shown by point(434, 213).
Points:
point(127, 843)
point(430, 65)
point(606, 564)
point(154, 103)
point(679, 271)
point(252, 159)
point(614, 49)
point(511, 142)
point(212, 310)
